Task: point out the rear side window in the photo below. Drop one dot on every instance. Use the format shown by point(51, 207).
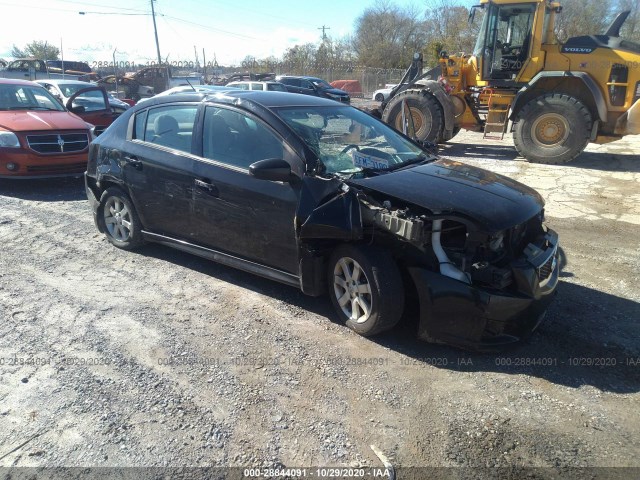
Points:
point(170, 126)
point(294, 82)
point(257, 86)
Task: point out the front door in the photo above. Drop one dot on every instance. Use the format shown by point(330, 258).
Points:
point(507, 40)
point(92, 105)
point(233, 211)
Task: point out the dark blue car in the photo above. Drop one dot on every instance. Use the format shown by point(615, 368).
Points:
point(314, 86)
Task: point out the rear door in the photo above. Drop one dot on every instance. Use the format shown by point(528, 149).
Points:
point(159, 167)
point(92, 105)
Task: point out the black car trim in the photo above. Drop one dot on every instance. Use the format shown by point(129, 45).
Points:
point(225, 259)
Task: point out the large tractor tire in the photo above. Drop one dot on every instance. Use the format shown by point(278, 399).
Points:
point(552, 129)
point(426, 111)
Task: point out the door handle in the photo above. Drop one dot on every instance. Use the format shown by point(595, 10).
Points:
point(134, 162)
point(207, 187)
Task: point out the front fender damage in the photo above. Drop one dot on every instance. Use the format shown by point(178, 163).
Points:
point(474, 289)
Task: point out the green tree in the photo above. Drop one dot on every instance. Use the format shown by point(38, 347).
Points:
point(37, 49)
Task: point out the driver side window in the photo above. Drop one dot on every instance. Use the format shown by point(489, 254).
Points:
point(235, 139)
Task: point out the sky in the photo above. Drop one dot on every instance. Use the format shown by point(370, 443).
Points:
point(228, 29)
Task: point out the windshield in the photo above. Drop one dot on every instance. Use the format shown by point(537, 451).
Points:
point(27, 97)
point(348, 141)
point(70, 89)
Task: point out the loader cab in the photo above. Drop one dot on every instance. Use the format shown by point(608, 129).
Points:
point(504, 40)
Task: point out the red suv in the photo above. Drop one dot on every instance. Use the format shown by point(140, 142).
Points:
point(39, 137)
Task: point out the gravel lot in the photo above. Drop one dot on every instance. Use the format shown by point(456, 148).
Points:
point(158, 358)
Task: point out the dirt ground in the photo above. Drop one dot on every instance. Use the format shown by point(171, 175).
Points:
point(156, 358)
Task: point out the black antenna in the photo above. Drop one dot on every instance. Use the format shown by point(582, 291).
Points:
point(192, 87)
point(614, 28)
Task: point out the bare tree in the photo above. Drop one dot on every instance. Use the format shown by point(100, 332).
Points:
point(449, 29)
point(583, 17)
point(387, 35)
point(631, 28)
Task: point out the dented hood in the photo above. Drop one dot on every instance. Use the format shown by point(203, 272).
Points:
point(493, 201)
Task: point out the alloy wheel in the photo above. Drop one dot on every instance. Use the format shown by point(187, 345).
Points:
point(117, 219)
point(352, 290)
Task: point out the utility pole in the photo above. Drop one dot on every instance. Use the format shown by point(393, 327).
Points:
point(155, 30)
point(324, 35)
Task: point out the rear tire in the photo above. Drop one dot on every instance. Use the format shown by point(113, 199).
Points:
point(119, 219)
point(552, 129)
point(365, 288)
point(426, 111)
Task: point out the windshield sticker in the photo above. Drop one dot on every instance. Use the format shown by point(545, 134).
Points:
point(368, 161)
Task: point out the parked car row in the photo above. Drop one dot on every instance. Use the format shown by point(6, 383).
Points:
point(306, 191)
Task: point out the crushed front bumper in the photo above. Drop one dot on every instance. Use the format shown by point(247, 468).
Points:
point(463, 315)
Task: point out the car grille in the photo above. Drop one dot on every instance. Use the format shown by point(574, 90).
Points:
point(58, 169)
point(58, 143)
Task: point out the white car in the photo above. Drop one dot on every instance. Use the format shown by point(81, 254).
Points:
point(254, 85)
point(189, 89)
point(64, 89)
point(383, 93)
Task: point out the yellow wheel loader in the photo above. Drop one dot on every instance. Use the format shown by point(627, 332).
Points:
point(555, 98)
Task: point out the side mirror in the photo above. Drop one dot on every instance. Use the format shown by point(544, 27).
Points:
point(77, 109)
point(273, 169)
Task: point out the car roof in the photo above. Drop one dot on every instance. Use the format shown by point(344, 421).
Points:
point(60, 81)
point(306, 77)
point(266, 98)
point(237, 82)
point(194, 88)
point(15, 81)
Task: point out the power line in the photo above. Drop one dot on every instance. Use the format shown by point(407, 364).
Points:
point(101, 6)
point(205, 27)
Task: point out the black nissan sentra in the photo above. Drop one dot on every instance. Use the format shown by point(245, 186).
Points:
point(324, 197)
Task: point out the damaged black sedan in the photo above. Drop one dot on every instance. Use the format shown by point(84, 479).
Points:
point(324, 197)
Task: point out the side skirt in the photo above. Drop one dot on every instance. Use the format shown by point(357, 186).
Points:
point(225, 259)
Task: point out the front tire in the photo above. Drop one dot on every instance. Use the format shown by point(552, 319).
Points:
point(426, 112)
point(119, 218)
point(379, 97)
point(365, 288)
point(552, 129)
